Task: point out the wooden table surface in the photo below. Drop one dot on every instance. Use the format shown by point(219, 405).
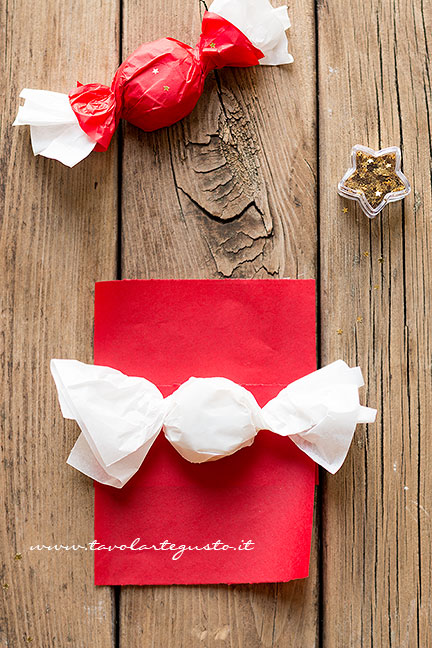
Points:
point(244, 187)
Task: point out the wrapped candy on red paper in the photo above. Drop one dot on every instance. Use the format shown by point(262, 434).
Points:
point(157, 85)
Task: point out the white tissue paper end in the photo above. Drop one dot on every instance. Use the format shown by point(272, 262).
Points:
point(54, 129)
point(204, 419)
point(119, 416)
point(320, 412)
point(261, 23)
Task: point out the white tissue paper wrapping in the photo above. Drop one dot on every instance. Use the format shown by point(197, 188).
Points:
point(54, 129)
point(261, 23)
point(204, 419)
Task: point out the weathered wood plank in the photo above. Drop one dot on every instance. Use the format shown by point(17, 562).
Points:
point(58, 235)
point(375, 89)
point(228, 192)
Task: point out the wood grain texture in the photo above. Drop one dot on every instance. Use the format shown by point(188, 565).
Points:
point(375, 89)
point(228, 192)
point(58, 235)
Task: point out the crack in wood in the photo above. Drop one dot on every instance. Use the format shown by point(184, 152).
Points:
point(218, 181)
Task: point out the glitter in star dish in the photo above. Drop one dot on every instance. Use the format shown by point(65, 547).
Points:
point(374, 179)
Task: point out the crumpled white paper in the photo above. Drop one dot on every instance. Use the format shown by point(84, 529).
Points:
point(204, 419)
point(54, 129)
point(261, 23)
point(320, 412)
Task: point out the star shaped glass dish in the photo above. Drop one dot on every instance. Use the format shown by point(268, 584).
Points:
point(374, 179)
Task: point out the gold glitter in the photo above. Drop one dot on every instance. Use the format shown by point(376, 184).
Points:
point(339, 331)
point(5, 586)
point(375, 177)
point(345, 210)
point(365, 254)
point(213, 45)
point(376, 287)
point(381, 260)
point(166, 88)
point(359, 319)
point(29, 639)
point(18, 556)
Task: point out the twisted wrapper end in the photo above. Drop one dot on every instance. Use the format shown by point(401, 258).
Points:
point(204, 419)
point(54, 128)
point(95, 108)
point(120, 418)
point(263, 24)
point(320, 412)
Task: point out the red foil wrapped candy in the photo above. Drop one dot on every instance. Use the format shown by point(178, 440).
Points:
point(157, 85)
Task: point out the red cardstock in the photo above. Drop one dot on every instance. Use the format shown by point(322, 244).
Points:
point(247, 517)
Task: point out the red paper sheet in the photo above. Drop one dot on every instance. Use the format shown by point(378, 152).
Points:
point(259, 333)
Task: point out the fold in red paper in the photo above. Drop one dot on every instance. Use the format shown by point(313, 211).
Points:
point(259, 333)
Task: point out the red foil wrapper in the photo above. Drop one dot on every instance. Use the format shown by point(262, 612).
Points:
point(158, 84)
point(161, 82)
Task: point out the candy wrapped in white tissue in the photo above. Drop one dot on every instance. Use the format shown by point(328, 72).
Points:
point(210, 418)
point(204, 419)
